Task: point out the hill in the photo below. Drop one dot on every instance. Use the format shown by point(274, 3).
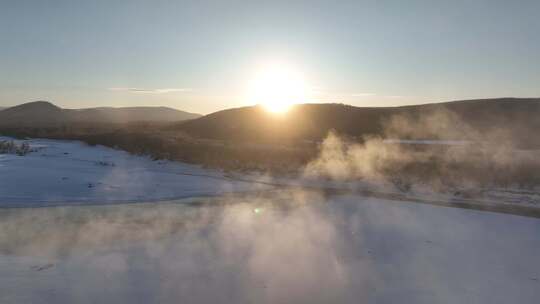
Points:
point(515, 117)
point(35, 113)
point(132, 114)
point(43, 113)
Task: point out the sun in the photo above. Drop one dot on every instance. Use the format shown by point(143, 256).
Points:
point(277, 88)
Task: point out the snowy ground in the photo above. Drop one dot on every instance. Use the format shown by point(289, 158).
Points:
point(71, 172)
point(296, 247)
point(242, 246)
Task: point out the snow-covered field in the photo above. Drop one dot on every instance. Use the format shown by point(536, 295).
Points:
point(230, 244)
point(71, 172)
point(290, 247)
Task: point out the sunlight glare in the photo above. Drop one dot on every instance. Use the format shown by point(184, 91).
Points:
point(277, 88)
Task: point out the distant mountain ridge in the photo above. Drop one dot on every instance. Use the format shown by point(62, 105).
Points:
point(518, 117)
point(44, 113)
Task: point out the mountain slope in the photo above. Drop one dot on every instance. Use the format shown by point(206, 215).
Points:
point(36, 113)
point(43, 113)
point(129, 114)
point(458, 119)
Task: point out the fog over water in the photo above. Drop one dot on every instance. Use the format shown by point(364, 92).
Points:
point(343, 152)
point(283, 246)
point(278, 247)
point(436, 149)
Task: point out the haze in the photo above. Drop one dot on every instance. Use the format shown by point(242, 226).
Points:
point(200, 56)
point(300, 152)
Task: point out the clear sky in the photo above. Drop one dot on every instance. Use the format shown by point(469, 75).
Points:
point(200, 55)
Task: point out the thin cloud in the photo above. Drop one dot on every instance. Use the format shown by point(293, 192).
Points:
point(363, 94)
point(374, 94)
point(151, 91)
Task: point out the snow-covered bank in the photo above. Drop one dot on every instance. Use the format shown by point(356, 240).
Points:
point(346, 249)
point(73, 173)
point(65, 172)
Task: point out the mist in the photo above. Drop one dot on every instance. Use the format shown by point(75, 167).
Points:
point(437, 150)
point(278, 248)
point(294, 245)
point(284, 247)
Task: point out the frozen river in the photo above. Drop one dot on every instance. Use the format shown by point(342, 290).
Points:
point(71, 172)
point(243, 245)
point(282, 247)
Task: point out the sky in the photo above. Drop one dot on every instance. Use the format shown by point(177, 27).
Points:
point(200, 56)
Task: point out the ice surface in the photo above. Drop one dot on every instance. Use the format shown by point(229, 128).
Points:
point(284, 246)
point(71, 172)
point(344, 249)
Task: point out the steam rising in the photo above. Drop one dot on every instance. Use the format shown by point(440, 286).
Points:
point(299, 247)
point(221, 251)
point(294, 246)
point(441, 152)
